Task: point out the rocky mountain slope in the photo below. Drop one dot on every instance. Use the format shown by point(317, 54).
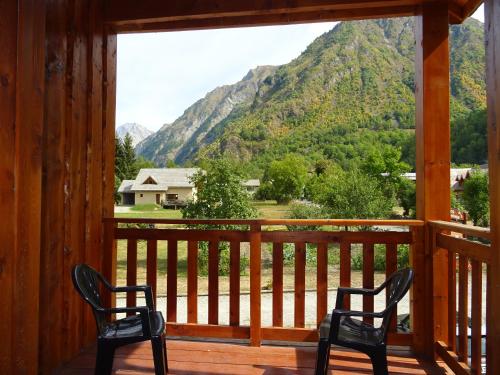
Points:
point(179, 140)
point(136, 131)
point(352, 88)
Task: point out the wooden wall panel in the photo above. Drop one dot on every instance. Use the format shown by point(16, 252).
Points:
point(492, 33)
point(53, 178)
point(432, 91)
point(8, 46)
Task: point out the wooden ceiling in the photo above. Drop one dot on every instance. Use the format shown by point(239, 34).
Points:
point(170, 15)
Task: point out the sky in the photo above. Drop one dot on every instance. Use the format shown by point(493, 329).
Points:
point(161, 74)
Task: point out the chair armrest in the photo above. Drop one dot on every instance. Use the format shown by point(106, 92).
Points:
point(342, 291)
point(339, 313)
point(362, 291)
point(148, 293)
point(143, 312)
point(132, 288)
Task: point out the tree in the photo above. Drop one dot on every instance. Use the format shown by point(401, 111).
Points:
point(475, 198)
point(287, 178)
point(220, 194)
point(355, 195)
point(407, 196)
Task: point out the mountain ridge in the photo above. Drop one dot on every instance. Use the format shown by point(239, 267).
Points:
point(352, 85)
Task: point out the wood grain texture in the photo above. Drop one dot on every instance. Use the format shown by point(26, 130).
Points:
point(492, 36)
point(277, 284)
point(368, 276)
point(300, 285)
point(234, 284)
point(213, 282)
point(476, 315)
point(131, 272)
point(321, 282)
point(8, 77)
point(53, 177)
point(463, 308)
point(152, 266)
point(345, 270)
point(172, 259)
point(192, 282)
point(255, 285)
point(391, 266)
point(432, 99)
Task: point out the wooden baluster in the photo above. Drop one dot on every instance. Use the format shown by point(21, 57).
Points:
point(452, 301)
point(192, 282)
point(234, 285)
point(131, 271)
point(278, 284)
point(476, 315)
point(172, 281)
point(391, 266)
point(345, 271)
point(213, 282)
point(321, 282)
point(255, 284)
point(152, 264)
point(463, 307)
point(300, 284)
point(368, 273)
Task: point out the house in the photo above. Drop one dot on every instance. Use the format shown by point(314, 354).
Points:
point(163, 186)
point(252, 185)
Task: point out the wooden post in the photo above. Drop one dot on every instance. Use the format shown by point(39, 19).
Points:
point(492, 33)
point(255, 281)
point(432, 91)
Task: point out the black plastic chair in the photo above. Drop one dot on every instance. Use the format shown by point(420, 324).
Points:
point(340, 328)
point(148, 325)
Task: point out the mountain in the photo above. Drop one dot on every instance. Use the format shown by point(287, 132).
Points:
point(351, 90)
point(136, 131)
point(179, 140)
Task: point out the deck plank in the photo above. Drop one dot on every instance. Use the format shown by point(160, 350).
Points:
point(193, 357)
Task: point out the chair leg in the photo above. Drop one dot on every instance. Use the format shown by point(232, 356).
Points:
point(379, 361)
point(322, 357)
point(158, 344)
point(104, 359)
point(165, 352)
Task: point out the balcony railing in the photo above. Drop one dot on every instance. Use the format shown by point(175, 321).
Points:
point(471, 246)
point(254, 236)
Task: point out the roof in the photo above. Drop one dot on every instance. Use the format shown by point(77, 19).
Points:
point(250, 183)
point(125, 186)
point(165, 178)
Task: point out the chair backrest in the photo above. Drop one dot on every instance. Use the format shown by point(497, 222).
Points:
point(87, 282)
point(397, 286)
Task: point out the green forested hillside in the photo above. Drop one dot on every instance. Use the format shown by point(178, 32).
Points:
point(351, 91)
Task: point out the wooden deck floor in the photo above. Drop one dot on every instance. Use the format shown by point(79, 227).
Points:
point(186, 357)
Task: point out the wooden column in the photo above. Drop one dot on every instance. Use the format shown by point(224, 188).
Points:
point(492, 33)
point(432, 91)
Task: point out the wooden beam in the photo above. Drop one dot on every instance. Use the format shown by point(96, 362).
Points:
point(267, 19)
point(119, 12)
point(432, 93)
point(492, 33)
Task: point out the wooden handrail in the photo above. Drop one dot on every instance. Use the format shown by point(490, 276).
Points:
point(465, 229)
point(471, 256)
point(256, 234)
point(271, 222)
